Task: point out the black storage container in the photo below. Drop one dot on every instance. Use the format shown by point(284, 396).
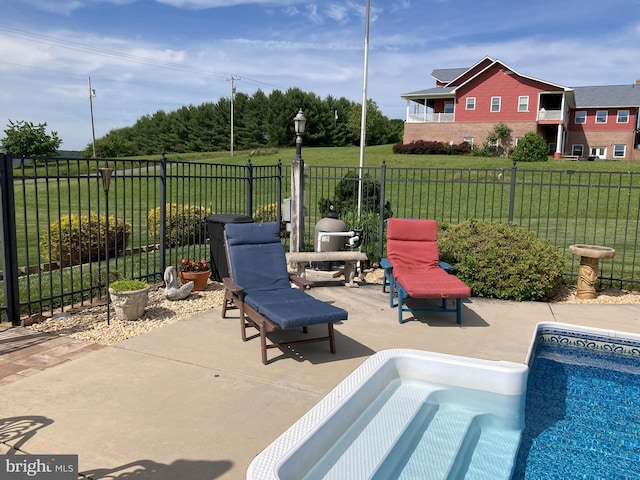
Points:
point(215, 225)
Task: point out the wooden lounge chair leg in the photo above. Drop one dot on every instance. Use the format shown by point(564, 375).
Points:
point(332, 343)
point(400, 308)
point(263, 343)
point(243, 324)
point(459, 311)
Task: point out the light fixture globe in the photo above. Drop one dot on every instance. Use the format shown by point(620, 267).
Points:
point(300, 122)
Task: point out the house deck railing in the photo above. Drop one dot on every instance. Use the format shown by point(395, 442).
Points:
point(430, 117)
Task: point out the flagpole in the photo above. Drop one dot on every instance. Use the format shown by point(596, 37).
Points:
point(363, 123)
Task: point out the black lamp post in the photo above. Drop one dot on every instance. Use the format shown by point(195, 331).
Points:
point(300, 122)
point(105, 175)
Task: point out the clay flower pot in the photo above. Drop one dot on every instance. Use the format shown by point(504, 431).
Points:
point(199, 279)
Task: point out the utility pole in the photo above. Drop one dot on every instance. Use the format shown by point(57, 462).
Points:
point(232, 79)
point(92, 93)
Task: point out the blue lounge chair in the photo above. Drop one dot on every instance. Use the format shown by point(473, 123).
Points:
point(260, 286)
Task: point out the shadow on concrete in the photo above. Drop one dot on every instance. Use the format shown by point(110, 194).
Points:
point(440, 319)
point(150, 470)
point(16, 431)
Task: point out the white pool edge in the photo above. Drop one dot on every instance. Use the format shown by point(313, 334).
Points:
point(448, 369)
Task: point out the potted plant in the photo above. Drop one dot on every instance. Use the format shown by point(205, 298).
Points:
point(196, 272)
point(129, 298)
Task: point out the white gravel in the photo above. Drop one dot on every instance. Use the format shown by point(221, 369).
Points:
point(90, 324)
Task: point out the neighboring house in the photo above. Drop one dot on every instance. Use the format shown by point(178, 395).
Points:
point(579, 122)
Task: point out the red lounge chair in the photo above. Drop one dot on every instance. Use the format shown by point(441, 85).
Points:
point(413, 269)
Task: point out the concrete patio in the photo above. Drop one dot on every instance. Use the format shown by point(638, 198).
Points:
point(192, 401)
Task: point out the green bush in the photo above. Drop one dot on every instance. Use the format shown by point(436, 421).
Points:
point(269, 213)
point(531, 148)
point(73, 240)
point(346, 195)
point(185, 224)
point(500, 261)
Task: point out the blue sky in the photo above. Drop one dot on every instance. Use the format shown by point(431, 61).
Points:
point(143, 56)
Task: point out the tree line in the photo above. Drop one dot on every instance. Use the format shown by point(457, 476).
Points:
point(260, 121)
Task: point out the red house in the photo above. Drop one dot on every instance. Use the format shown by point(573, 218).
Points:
point(579, 122)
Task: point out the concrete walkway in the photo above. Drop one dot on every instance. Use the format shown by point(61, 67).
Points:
point(192, 401)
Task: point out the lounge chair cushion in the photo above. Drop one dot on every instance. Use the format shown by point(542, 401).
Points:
point(412, 247)
point(259, 266)
point(292, 308)
point(257, 259)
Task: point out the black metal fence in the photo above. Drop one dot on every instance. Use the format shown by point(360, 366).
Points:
point(157, 209)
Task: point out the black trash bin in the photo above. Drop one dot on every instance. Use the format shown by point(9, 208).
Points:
point(215, 225)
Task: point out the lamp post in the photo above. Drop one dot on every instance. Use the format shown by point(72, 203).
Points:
point(105, 175)
point(297, 187)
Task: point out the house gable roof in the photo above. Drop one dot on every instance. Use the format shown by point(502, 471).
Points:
point(446, 75)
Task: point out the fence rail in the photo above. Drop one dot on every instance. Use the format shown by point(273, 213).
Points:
point(145, 196)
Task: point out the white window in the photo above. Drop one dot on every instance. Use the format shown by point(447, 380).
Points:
point(581, 117)
point(448, 106)
point(495, 104)
point(518, 140)
point(619, 151)
point(577, 150)
point(471, 103)
point(601, 116)
point(523, 104)
point(469, 140)
point(623, 116)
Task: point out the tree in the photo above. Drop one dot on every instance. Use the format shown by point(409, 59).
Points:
point(531, 148)
point(500, 136)
point(26, 139)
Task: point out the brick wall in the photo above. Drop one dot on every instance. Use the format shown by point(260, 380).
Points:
point(457, 132)
point(602, 139)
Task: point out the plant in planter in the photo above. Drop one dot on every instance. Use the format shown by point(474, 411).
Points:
point(129, 298)
point(196, 272)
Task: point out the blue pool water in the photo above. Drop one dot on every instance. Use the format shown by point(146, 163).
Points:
point(582, 415)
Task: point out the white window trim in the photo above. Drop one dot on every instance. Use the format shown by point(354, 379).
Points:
point(575, 119)
point(469, 140)
point(618, 116)
point(473, 107)
point(499, 105)
point(606, 116)
point(624, 150)
point(525, 105)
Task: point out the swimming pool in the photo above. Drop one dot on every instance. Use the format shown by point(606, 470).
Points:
point(400, 409)
point(415, 414)
point(582, 408)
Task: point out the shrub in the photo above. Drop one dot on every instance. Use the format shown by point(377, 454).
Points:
point(73, 240)
point(500, 261)
point(267, 213)
point(531, 148)
point(185, 224)
point(425, 147)
point(346, 195)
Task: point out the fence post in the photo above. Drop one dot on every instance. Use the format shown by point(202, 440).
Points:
point(163, 213)
point(249, 188)
point(279, 193)
point(9, 241)
point(297, 206)
point(381, 219)
point(512, 193)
